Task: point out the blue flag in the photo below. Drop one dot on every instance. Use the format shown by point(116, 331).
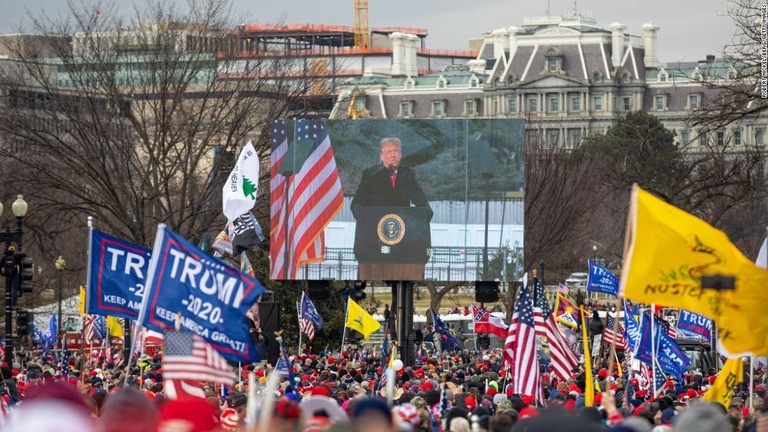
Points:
point(443, 331)
point(211, 297)
point(50, 334)
point(309, 312)
point(670, 356)
point(694, 326)
point(659, 379)
point(601, 280)
point(631, 329)
point(116, 273)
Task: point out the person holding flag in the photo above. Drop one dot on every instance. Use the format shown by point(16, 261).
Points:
point(359, 320)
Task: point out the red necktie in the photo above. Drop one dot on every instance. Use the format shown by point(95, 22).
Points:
point(393, 177)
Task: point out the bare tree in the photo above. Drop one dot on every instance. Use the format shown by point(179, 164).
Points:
point(561, 193)
point(733, 89)
point(136, 120)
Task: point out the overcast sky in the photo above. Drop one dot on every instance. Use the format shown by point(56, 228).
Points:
point(690, 29)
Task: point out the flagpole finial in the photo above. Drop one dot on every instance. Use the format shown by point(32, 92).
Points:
point(90, 221)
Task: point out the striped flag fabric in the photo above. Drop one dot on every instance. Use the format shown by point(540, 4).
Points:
point(562, 358)
point(314, 197)
point(609, 336)
point(188, 357)
point(183, 389)
point(305, 325)
point(668, 328)
point(520, 348)
point(563, 289)
point(484, 322)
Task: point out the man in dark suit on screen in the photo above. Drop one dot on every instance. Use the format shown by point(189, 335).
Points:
point(388, 184)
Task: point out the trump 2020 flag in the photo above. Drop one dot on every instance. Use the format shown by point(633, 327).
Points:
point(116, 273)
point(601, 280)
point(211, 296)
point(691, 325)
point(239, 192)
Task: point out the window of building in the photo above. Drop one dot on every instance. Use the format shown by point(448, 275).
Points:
point(469, 107)
point(473, 82)
point(574, 138)
point(441, 83)
point(663, 77)
point(685, 137)
point(597, 103)
point(405, 109)
point(693, 101)
point(533, 104)
point(554, 103)
point(513, 104)
point(553, 138)
point(596, 77)
point(720, 138)
point(760, 136)
point(576, 103)
point(360, 103)
point(437, 108)
point(737, 137)
point(659, 103)
point(627, 103)
point(696, 76)
point(409, 85)
point(703, 139)
point(552, 64)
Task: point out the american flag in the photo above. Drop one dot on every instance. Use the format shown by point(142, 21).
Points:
point(188, 357)
point(64, 360)
point(305, 325)
point(644, 380)
point(563, 289)
point(95, 328)
point(666, 326)
point(563, 360)
point(609, 336)
point(183, 389)
point(520, 349)
point(315, 197)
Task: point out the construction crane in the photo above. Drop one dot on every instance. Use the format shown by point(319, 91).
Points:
point(361, 23)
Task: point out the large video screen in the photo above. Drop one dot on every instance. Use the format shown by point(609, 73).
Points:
point(397, 200)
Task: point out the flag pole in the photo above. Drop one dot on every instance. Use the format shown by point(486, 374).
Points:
point(653, 349)
point(751, 379)
point(344, 333)
point(298, 309)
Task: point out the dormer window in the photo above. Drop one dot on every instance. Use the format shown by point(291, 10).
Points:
point(473, 82)
point(441, 83)
point(597, 77)
point(409, 84)
point(663, 77)
point(696, 76)
point(554, 59)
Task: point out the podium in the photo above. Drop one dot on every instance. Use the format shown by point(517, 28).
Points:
point(392, 243)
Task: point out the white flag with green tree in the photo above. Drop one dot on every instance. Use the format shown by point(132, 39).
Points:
point(239, 192)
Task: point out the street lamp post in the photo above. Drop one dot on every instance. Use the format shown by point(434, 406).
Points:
point(594, 253)
point(11, 270)
point(60, 265)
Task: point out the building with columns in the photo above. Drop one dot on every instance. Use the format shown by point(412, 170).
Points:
point(566, 75)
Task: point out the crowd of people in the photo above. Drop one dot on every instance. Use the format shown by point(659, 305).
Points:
point(460, 391)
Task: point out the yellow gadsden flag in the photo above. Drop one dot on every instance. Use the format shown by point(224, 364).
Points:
point(81, 304)
point(670, 250)
point(114, 327)
point(360, 320)
point(589, 386)
point(722, 390)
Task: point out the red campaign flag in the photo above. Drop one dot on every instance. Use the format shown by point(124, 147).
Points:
point(188, 357)
point(487, 323)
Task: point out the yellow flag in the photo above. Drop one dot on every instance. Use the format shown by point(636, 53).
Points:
point(360, 320)
point(722, 390)
point(670, 250)
point(81, 305)
point(589, 385)
point(114, 327)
